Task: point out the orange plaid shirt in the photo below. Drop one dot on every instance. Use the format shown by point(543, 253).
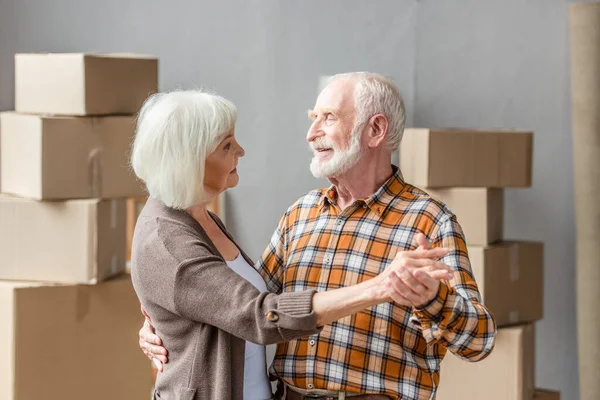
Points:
point(386, 349)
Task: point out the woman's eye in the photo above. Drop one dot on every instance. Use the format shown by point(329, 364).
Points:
point(227, 146)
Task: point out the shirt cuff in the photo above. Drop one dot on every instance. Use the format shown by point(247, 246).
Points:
point(433, 310)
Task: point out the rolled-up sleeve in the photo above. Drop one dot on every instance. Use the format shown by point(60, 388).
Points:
point(456, 318)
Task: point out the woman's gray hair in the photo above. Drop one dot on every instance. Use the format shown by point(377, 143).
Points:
point(175, 133)
point(377, 94)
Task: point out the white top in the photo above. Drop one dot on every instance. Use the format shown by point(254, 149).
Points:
point(256, 383)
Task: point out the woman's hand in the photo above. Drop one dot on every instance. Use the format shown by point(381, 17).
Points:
point(151, 344)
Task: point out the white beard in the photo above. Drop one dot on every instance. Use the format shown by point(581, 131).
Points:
point(342, 160)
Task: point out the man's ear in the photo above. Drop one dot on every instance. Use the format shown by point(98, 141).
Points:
point(377, 130)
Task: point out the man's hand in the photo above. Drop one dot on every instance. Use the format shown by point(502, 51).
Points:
point(151, 344)
point(414, 276)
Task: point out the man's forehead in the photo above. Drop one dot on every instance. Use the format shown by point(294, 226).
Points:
point(337, 95)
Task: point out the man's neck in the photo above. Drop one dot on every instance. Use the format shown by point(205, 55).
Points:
point(360, 182)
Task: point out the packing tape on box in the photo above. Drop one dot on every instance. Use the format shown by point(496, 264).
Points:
point(513, 254)
point(113, 214)
point(513, 316)
point(95, 173)
point(82, 302)
point(114, 263)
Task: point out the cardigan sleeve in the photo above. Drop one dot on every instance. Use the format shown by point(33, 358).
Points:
point(207, 290)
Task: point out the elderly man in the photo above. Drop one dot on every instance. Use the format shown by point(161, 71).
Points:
point(349, 232)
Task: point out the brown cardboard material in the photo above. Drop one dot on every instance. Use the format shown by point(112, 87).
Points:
point(53, 158)
point(77, 241)
point(480, 212)
point(83, 84)
point(510, 276)
point(584, 26)
point(435, 158)
point(545, 394)
point(71, 342)
point(506, 374)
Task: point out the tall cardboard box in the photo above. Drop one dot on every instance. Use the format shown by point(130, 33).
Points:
point(434, 158)
point(480, 212)
point(71, 342)
point(77, 241)
point(506, 374)
point(53, 158)
point(83, 84)
point(544, 394)
point(510, 276)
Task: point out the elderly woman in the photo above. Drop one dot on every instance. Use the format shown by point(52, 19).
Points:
point(207, 303)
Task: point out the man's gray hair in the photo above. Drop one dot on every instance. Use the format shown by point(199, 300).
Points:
point(175, 133)
point(377, 94)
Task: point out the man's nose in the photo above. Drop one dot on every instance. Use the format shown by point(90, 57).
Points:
point(314, 132)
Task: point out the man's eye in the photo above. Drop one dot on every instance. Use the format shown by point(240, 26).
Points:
point(330, 117)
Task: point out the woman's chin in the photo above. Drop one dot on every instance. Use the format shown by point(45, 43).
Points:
point(233, 180)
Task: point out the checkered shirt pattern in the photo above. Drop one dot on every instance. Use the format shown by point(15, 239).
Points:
point(386, 349)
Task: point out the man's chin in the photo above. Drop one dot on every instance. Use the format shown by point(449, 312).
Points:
point(321, 170)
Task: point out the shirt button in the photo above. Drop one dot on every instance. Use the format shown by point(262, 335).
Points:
point(310, 386)
point(272, 316)
point(364, 206)
point(339, 221)
point(312, 342)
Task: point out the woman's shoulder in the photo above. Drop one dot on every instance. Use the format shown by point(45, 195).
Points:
point(173, 233)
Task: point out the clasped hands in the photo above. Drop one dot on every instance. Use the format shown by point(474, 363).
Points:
point(413, 278)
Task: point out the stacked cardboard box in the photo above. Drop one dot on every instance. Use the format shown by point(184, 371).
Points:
point(70, 315)
point(468, 170)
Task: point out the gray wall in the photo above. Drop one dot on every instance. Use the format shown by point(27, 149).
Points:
point(266, 56)
point(474, 63)
point(504, 64)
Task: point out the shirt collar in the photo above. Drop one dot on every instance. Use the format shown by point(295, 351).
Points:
point(380, 201)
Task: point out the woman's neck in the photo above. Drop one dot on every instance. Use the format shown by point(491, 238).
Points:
point(200, 213)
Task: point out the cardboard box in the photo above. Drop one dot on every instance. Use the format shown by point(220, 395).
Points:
point(54, 158)
point(480, 212)
point(506, 374)
point(78, 241)
point(71, 342)
point(510, 276)
point(466, 158)
point(545, 394)
point(84, 84)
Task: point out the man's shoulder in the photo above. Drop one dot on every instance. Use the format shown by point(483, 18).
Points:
point(417, 200)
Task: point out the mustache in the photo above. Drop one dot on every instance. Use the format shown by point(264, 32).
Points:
point(321, 143)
